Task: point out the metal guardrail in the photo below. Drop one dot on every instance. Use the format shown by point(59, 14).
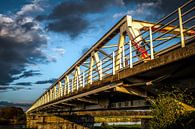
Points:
point(176, 29)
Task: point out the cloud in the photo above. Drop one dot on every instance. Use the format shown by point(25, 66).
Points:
point(23, 84)
point(5, 88)
point(150, 9)
point(22, 41)
point(13, 88)
point(30, 9)
point(29, 73)
point(140, 10)
point(60, 51)
point(164, 6)
point(70, 16)
point(46, 81)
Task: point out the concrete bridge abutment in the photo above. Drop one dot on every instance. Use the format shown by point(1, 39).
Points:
point(53, 122)
point(49, 121)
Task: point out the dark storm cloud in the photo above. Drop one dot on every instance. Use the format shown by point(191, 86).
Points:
point(46, 81)
point(68, 25)
point(21, 41)
point(70, 16)
point(24, 84)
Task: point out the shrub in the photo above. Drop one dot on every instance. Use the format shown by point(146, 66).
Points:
point(168, 110)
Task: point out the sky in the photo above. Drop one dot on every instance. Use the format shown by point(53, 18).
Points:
point(41, 39)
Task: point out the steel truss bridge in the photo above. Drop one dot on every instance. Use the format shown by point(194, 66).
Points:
point(125, 66)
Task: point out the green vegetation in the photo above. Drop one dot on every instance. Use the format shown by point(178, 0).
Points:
point(170, 112)
point(11, 115)
point(119, 127)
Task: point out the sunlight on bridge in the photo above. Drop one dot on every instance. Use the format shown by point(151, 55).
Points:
point(127, 44)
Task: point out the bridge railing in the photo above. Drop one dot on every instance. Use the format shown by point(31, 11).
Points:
point(174, 30)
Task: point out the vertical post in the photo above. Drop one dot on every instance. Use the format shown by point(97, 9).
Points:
point(72, 85)
point(50, 95)
point(151, 44)
point(54, 92)
point(181, 28)
point(64, 86)
point(100, 67)
point(59, 89)
point(91, 76)
point(76, 78)
point(41, 102)
point(47, 95)
point(67, 83)
point(43, 99)
point(46, 98)
point(98, 64)
point(68, 86)
point(120, 60)
point(123, 56)
point(130, 55)
point(83, 78)
point(77, 81)
point(38, 103)
point(113, 63)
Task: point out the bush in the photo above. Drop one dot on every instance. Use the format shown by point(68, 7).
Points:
point(168, 111)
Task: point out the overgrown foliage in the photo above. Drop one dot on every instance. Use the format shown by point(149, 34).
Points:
point(169, 112)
